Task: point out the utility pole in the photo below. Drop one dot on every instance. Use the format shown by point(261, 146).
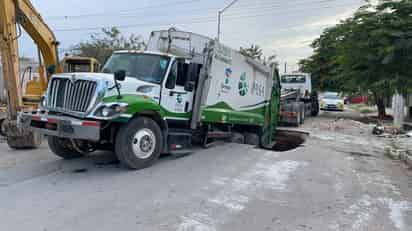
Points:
point(286, 67)
point(219, 17)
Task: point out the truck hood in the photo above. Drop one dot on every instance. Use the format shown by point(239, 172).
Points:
point(129, 86)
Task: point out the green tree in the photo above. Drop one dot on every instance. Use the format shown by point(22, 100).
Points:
point(271, 61)
point(368, 52)
point(254, 51)
point(102, 45)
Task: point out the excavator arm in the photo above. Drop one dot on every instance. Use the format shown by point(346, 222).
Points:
point(15, 14)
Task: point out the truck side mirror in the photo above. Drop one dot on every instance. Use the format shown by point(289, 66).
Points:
point(189, 86)
point(120, 75)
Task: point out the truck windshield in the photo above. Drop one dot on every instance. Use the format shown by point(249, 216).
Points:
point(145, 67)
point(293, 79)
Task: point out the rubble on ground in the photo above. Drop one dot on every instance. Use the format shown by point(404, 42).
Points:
point(400, 148)
point(346, 126)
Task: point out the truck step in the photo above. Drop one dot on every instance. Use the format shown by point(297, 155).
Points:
point(179, 142)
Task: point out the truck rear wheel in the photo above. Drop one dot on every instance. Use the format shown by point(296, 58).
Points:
point(62, 147)
point(251, 139)
point(237, 138)
point(315, 105)
point(139, 143)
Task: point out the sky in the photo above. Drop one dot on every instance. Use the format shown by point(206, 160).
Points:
point(281, 27)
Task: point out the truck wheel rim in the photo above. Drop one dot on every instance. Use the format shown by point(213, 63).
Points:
point(144, 143)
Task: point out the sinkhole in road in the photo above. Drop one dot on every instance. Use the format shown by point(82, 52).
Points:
point(289, 140)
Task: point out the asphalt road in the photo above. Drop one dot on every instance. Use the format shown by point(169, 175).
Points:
point(335, 181)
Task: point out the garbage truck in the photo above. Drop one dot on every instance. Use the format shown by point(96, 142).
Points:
point(183, 89)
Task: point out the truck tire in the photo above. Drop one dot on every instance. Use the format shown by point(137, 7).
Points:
point(251, 138)
point(61, 147)
point(302, 114)
point(139, 143)
point(237, 138)
point(315, 109)
point(315, 104)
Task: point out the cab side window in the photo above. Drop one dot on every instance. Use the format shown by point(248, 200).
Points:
point(181, 73)
point(172, 78)
point(183, 69)
point(178, 75)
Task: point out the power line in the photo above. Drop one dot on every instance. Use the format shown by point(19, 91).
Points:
point(192, 21)
point(124, 11)
point(130, 12)
point(248, 9)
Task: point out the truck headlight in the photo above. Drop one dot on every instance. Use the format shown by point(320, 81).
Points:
point(322, 103)
point(111, 110)
point(107, 111)
point(43, 101)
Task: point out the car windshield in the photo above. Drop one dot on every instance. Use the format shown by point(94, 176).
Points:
point(331, 97)
point(145, 67)
point(293, 79)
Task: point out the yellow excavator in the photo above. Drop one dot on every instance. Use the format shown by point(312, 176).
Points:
point(15, 15)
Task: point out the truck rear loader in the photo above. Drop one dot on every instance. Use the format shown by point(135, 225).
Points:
point(184, 89)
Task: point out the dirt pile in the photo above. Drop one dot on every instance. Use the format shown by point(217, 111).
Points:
point(345, 126)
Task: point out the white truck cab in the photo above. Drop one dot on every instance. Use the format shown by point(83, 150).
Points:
point(299, 100)
point(297, 81)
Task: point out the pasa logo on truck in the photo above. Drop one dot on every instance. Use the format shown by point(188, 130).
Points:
point(243, 85)
point(258, 89)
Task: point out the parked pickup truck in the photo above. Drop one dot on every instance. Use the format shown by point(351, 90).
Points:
point(184, 89)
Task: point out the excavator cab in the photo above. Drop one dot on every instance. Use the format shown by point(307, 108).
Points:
point(72, 64)
point(37, 85)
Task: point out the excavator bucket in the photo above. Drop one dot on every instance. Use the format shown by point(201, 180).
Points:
point(17, 138)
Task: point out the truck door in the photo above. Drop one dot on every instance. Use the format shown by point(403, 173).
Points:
point(178, 91)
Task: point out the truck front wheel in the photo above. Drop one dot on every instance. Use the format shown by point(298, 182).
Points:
point(63, 148)
point(139, 143)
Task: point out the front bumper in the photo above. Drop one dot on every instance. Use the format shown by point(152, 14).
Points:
point(61, 126)
point(332, 107)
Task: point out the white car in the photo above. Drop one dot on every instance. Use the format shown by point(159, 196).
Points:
point(333, 102)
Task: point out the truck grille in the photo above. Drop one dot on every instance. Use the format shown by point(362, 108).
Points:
point(68, 96)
